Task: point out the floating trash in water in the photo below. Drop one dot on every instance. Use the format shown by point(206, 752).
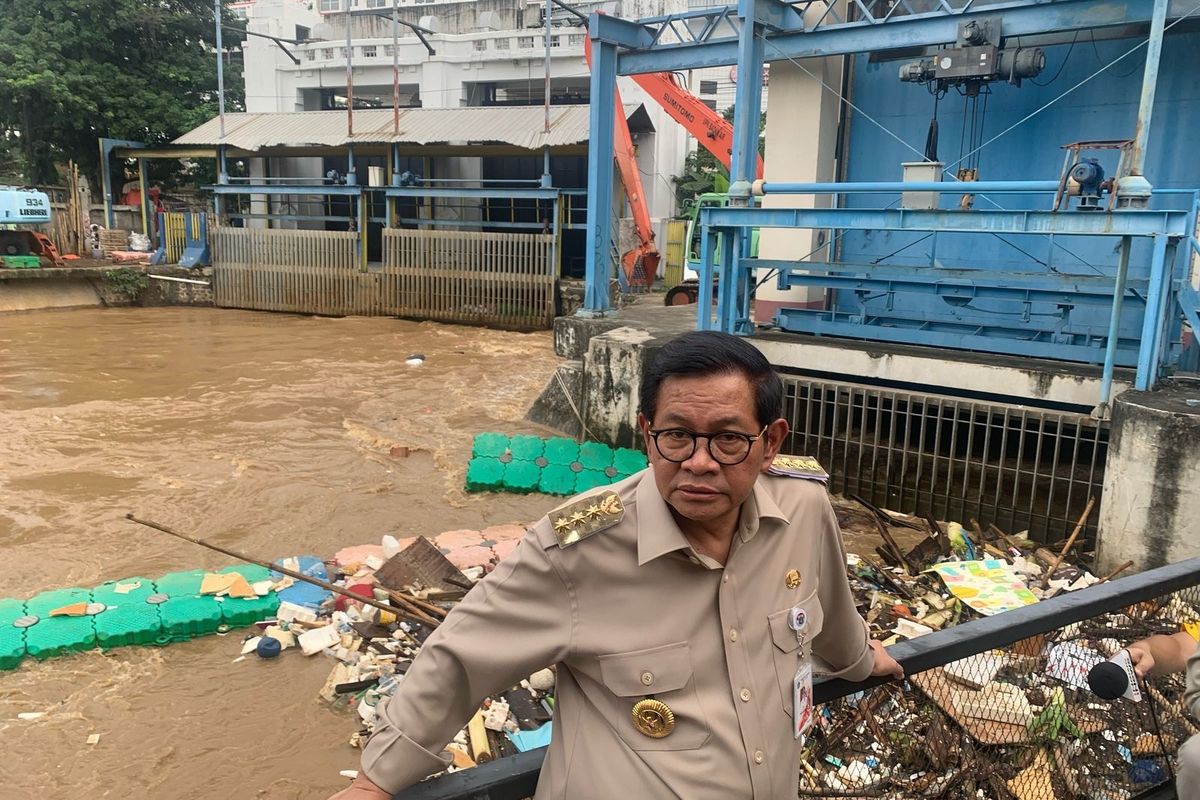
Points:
point(415, 360)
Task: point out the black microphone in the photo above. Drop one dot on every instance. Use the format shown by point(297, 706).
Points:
point(1108, 680)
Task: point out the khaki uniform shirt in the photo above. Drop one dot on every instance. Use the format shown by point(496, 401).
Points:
point(631, 612)
point(1191, 698)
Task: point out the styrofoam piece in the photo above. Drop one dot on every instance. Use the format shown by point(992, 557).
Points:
point(291, 612)
point(495, 716)
point(318, 639)
point(542, 680)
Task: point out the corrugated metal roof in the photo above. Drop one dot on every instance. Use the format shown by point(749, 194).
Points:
point(521, 126)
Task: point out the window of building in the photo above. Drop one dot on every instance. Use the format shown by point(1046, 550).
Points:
point(303, 33)
point(379, 3)
point(480, 44)
point(524, 41)
point(555, 41)
point(238, 12)
point(575, 40)
point(710, 103)
point(369, 51)
point(327, 53)
point(311, 55)
point(388, 50)
point(330, 6)
point(708, 87)
point(503, 44)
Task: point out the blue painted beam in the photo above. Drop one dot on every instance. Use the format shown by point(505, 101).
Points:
point(1071, 223)
point(915, 30)
point(430, 191)
point(330, 189)
point(958, 336)
point(893, 187)
point(601, 119)
point(967, 284)
point(621, 32)
point(777, 15)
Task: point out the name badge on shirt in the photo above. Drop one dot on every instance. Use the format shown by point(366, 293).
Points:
point(802, 705)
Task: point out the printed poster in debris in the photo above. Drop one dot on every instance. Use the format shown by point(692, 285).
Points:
point(988, 586)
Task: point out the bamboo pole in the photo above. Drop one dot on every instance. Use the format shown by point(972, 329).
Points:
point(277, 568)
point(1070, 542)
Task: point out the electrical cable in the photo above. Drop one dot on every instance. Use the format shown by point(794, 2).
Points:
point(1099, 58)
point(1066, 58)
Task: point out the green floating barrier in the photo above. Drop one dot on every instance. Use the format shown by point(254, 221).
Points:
point(484, 475)
point(180, 584)
point(129, 619)
point(626, 461)
point(51, 636)
point(490, 445)
point(522, 476)
point(595, 456)
point(240, 612)
point(557, 479)
point(119, 593)
point(131, 623)
point(188, 617)
point(558, 466)
point(590, 479)
point(12, 638)
point(253, 573)
point(526, 448)
point(561, 451)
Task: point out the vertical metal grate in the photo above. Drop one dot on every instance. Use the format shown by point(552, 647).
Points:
point(1016, 467)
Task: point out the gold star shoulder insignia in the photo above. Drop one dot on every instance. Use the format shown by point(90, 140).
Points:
point(580, 519)
point(798, 467)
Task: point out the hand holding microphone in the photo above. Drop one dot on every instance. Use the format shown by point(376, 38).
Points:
point(1118, 677)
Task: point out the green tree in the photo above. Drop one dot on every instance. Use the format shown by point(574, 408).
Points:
point(72, 71)
point(702, 173)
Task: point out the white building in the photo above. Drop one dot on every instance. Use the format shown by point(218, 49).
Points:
point(484, 52)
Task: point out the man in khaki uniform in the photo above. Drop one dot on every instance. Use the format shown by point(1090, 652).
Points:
point(681, 605)
point(1164, 654)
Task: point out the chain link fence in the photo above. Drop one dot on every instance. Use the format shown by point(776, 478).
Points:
point(997, 708)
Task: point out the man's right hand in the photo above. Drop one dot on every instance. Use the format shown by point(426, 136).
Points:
point(1142, 658)
point(362, 789)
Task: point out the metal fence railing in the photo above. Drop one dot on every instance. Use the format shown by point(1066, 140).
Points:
point(1021, 468)
point(503, 279)
point(979, 715)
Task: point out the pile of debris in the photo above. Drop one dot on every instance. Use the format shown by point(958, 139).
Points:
point(389, 601)
point(1018, 723)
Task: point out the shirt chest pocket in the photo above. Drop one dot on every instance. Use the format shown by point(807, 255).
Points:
point(653, 691)
point(790, 645)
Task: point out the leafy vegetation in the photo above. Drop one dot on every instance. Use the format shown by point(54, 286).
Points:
point(72, 71)
point(702, 173)
point(127, 282)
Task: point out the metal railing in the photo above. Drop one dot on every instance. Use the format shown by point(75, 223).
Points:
point(1019, 467)
point(1124, 609)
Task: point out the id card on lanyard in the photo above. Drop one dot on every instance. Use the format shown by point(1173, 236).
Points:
point(802, 705)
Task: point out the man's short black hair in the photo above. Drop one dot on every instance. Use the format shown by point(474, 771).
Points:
point(713, 353)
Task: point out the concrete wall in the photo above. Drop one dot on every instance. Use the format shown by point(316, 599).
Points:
point(1150, 511)
point(801, 146)
point(78, 287)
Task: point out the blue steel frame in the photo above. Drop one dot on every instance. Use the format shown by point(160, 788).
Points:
point(737, 34)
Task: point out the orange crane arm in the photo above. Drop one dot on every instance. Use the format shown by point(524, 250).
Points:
point(646, 252)
point(711, 130)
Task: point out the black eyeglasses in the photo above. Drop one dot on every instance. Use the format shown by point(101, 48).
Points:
point(726, 447)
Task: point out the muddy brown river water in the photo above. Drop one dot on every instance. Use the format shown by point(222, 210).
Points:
point(263, 432)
